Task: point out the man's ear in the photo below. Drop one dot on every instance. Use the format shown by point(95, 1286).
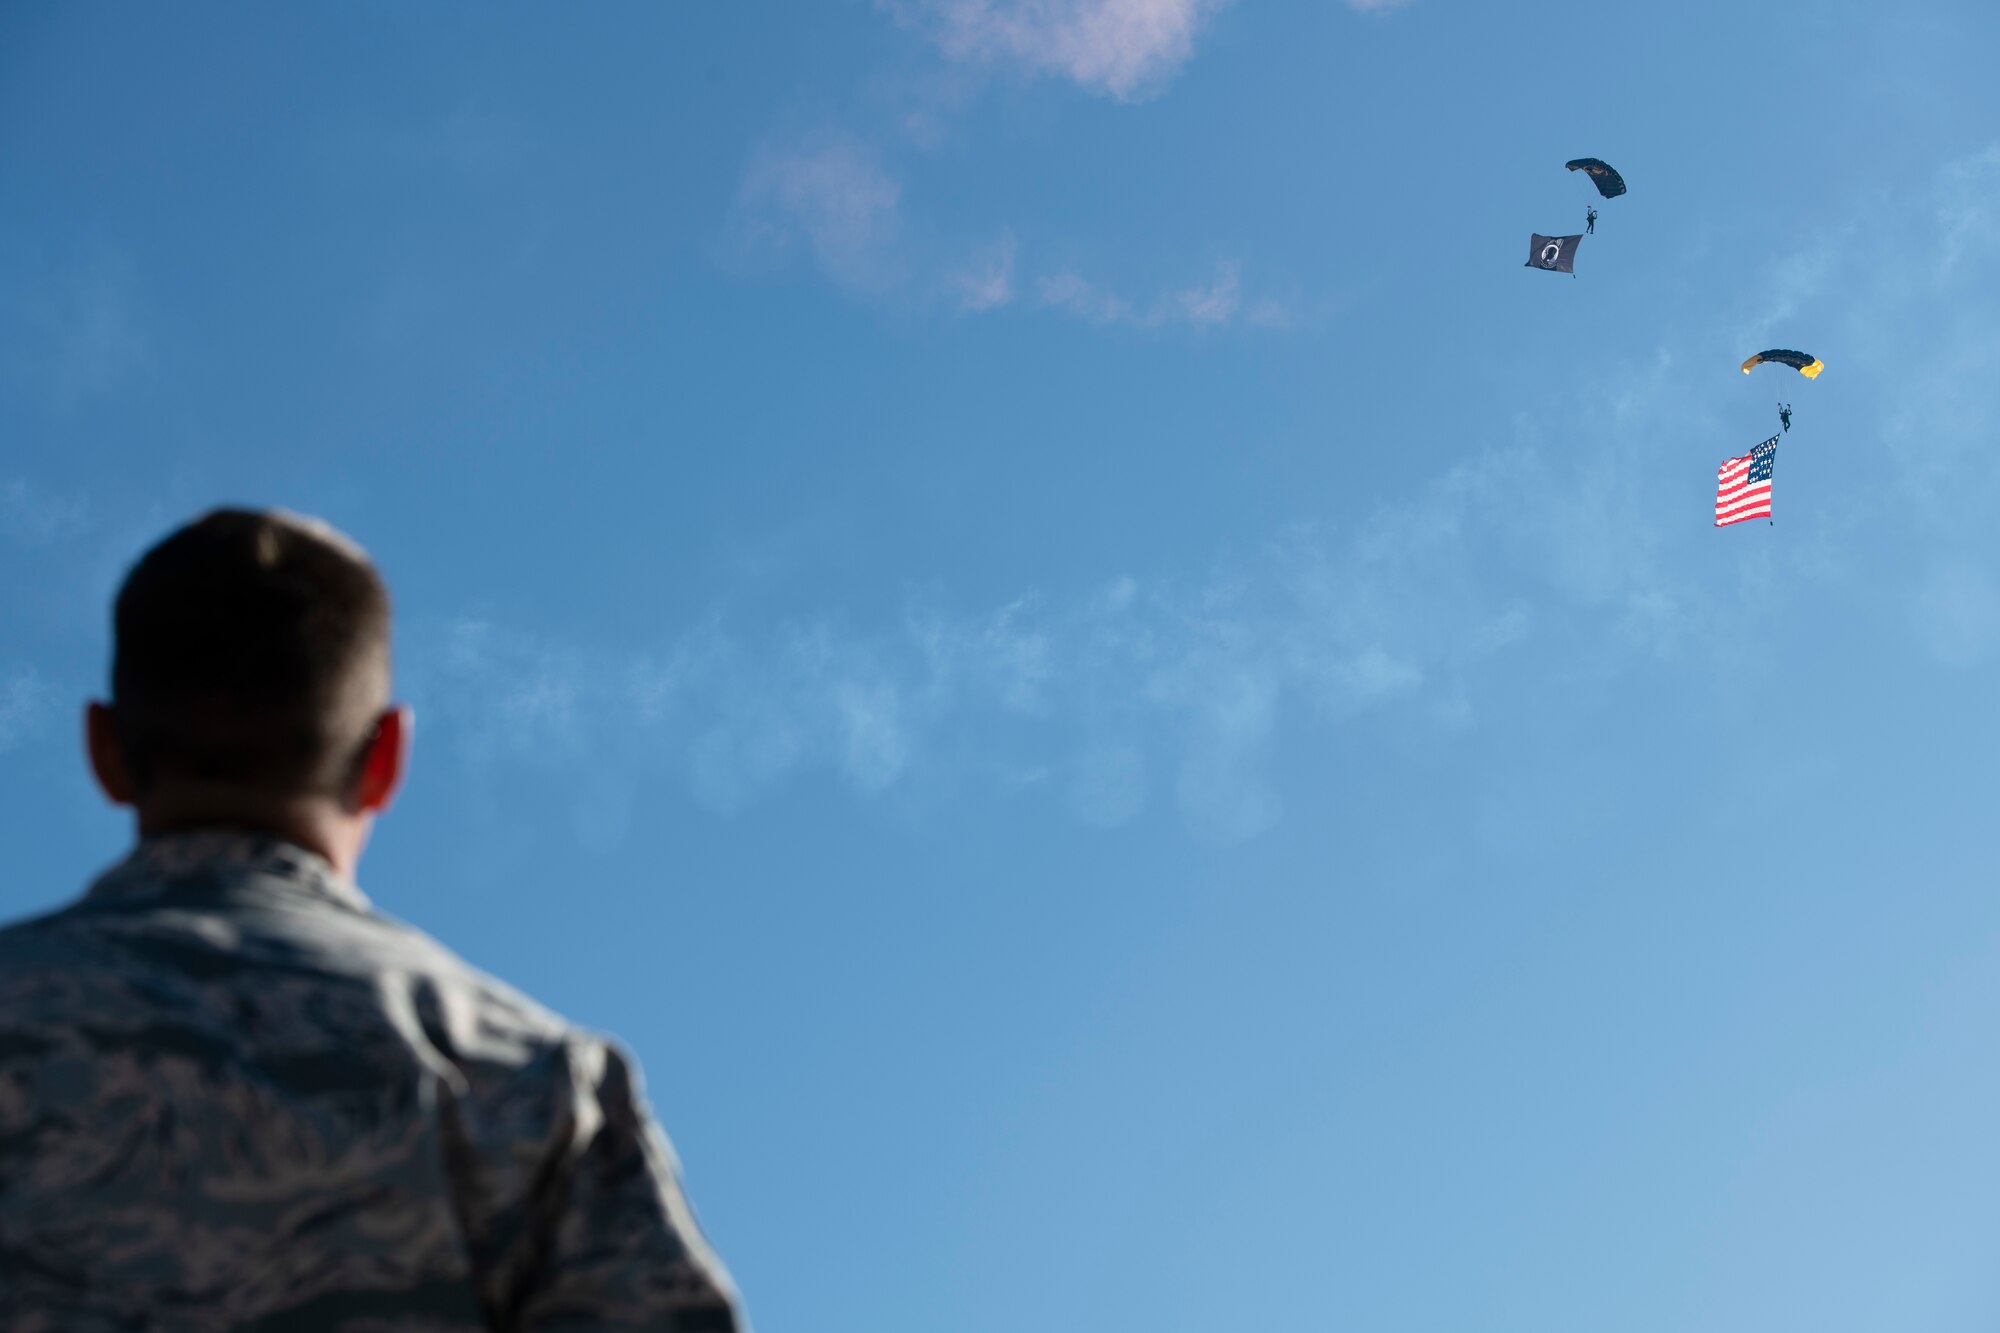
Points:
point(384, 761)
point(108, 761)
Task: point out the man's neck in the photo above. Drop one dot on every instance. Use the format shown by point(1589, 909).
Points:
point(314, 823)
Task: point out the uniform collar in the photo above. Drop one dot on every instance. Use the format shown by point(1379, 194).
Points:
point(191, 853)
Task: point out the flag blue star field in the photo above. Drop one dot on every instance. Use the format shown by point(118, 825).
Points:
point(1743, 485)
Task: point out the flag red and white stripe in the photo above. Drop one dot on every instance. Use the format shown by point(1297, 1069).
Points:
point(1738, 498)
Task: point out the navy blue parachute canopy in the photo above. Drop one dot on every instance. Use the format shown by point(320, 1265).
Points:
point(1602, 174)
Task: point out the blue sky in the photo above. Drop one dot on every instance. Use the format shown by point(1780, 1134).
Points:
point(1138, 725)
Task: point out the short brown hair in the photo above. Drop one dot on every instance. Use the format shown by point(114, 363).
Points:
point(250, 648)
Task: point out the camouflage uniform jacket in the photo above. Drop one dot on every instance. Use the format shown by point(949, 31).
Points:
point(234, 1096)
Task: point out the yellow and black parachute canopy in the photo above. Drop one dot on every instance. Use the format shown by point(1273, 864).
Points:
point(1602, 174)
point(1809, 366)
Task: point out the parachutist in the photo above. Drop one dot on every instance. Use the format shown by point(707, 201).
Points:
point(1785, 416)
point(1590, 222)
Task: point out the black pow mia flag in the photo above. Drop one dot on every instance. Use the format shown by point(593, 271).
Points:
point(1557, 254)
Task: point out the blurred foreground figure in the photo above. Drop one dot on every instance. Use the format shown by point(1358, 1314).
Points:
point(232, 1094)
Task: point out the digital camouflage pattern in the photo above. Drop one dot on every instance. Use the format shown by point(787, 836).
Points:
point(233, 1095)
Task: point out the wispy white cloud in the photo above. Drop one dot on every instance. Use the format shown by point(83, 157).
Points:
point(26, 704)
point(65, 553)
point(1907, 319)
point(84, 335)
point(1968, 209)
point(1793, 282)
point(831, 193)
point(1107, 785)
point(1217, 303)
point(30, 516)
point(1939, 431)
point(986, 280)
point(477, 144)
point(1073, 294)
point(1121, 48)
point(1096, 688)
point(1957, 614)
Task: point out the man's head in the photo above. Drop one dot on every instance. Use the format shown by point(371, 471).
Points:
point(250, 683)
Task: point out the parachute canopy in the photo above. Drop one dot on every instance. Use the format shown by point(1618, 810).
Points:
point(1809, 366)
point(1602, 174)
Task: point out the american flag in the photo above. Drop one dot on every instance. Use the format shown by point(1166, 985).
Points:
point(1743, 485)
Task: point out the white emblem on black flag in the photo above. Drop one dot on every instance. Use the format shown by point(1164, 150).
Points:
point(1557, 254)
